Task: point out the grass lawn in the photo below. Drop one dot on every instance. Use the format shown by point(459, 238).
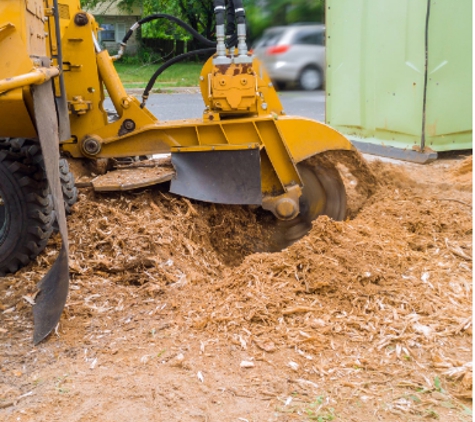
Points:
point(180, 74)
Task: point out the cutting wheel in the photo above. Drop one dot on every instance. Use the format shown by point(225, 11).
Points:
point(323, 193)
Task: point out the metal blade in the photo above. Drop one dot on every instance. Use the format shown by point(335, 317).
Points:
point(54, 286)
point(323, 193)
point(224, 177)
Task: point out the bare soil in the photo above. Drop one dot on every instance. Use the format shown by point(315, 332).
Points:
point(177, 312)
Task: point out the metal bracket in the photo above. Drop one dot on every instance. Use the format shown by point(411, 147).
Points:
point(79, 106)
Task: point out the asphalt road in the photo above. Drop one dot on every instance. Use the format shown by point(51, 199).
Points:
point(176, 106)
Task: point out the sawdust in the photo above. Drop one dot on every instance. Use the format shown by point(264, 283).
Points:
point(362, 319)
point(461, 175)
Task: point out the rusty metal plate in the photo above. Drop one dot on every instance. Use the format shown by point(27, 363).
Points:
point(133, 178)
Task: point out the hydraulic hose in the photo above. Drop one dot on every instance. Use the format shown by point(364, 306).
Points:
point(240, 16)
point(230, 23)
point(206, 51)
point(239, 11)
point(230, 30)
point(220, 9)
point(172, 18)
point(232, 40)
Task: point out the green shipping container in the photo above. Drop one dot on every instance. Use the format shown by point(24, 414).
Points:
point(399, 75)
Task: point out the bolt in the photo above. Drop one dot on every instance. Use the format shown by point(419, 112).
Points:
point(270, 85)
point(264, 106)
point(244, 81)
point(91, 146)
point(222, 82)
point(81, 19)
point(201, 78)
point(129, 124)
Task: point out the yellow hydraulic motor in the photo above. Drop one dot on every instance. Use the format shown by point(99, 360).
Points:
point(244, 149)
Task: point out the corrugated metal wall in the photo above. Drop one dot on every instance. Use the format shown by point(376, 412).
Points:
point(376, 72)
point(449, 82)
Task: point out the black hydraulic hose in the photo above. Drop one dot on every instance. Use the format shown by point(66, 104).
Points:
point(230, 19)
point(235, 14)
point(205, 51)
point(230, 42)
point(172, 18)
point(219, 11)
point(239, 11)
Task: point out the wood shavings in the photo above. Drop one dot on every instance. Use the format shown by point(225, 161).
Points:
point(267, 346)
point(361, 309)
point(29, 299)
point(297, 310)
point(457, 251)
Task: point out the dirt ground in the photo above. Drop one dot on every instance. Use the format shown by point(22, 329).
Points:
point(177, 313)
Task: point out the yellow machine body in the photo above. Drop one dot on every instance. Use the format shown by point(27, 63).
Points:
point(243, 150)
point(242, 110)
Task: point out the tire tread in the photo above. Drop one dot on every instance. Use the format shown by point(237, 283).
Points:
point(22, 157)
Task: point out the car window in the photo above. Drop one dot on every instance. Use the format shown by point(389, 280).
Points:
point(269, 38)
point(310, 38)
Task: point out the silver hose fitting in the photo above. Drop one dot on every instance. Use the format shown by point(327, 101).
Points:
point(242, 56)
point(120, 53)
point(220, 57)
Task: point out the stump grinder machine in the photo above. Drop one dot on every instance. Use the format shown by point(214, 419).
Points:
point(54, 77)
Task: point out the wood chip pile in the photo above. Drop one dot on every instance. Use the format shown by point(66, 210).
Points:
point(388, 292)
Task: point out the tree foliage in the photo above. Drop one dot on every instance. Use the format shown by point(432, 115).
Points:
point(262, 14)
point(200, 15)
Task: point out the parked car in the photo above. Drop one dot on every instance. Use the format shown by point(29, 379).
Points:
point(294, 54)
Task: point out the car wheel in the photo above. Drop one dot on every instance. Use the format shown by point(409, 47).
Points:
point(310, 79)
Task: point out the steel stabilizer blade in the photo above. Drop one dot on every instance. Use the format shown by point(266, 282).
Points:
point(50, 301)
point(53, 288)
point(223, 176)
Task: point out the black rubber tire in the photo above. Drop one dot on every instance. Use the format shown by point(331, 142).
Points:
point(27, 215)
point(310, 78)
point(70, 192)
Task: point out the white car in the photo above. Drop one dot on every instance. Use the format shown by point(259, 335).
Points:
point(294, 54)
